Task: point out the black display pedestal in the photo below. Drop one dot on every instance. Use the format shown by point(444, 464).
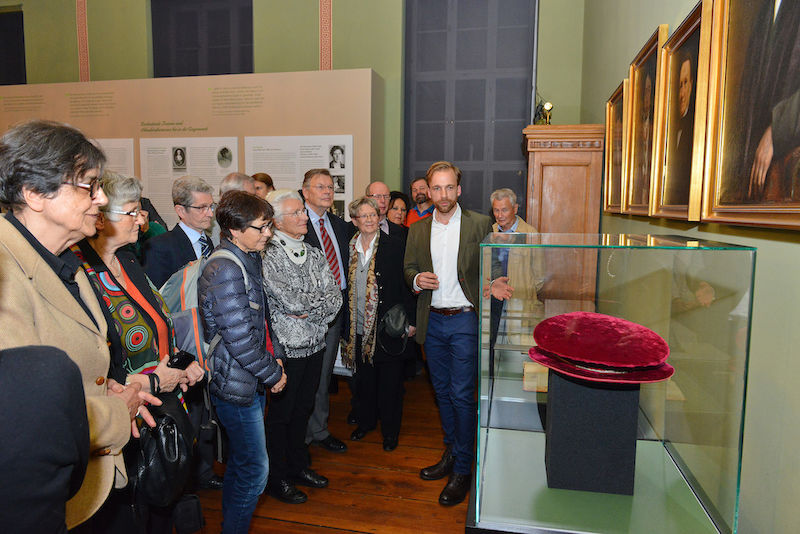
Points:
point(591, 434)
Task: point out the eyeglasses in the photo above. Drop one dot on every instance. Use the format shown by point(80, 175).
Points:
point(384, 197)
point(263, 228)
point(322, 187)
point(92, 187)
point(133, 213)
point(368, 216)
point(204, 207)
point(297, 213)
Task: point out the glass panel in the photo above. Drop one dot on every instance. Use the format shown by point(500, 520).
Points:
point(219, 27)
point(431, 15)
point(512, 99)
point(432, 51)
point(470, 49)
point(430, 142)
point(188, 35)
point(472, 190)
point(469, 140)
point(472, 13)
point(430, 101)
point(508, 140)
point(186, 63)
point(470, 99)
point(514, 48)
point(219, 60)
point(514, 13)
point(697, 296)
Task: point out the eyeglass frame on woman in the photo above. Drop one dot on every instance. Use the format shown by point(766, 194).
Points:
point(133, 213)
point(296, 213)
point(212, 207)
point(93, 187)
point(367, 216)
point(261, 228)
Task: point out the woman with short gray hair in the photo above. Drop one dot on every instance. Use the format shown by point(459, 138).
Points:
point(303, 299)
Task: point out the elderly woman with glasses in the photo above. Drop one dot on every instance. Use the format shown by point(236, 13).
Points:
point(375, 286)
point(140, 331)
point(233, 309)
point(49, 177)
point(303, 299)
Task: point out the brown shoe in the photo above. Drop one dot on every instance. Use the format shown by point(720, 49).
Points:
point(456, 489)
point(440, 469)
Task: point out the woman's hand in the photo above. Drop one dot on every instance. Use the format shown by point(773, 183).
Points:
point(304, 316)
point(134, 399)
point(170, 378)
point(194, 373)
point(277, 388)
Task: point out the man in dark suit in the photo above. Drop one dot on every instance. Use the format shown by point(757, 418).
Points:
point(165, 254)
point(330, 234)
point(44, 447)
point(442, 266)
point(679, 164)
point(379, 192)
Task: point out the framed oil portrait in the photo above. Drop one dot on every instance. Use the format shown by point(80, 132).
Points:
point(752, 172)
point(680, 135)
point(643, 76)
point(616, 140)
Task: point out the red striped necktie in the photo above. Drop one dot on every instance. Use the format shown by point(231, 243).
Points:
point(330, 253)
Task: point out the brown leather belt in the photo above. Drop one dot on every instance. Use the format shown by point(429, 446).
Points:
point(452, 311)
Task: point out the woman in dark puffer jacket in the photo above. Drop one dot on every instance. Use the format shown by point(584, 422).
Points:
point(242, 366)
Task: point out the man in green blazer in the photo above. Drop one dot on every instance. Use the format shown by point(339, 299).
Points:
point(442, 267)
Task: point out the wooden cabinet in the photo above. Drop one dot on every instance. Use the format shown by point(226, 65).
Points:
point(565, 174)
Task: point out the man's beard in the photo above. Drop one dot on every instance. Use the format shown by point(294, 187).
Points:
point(448, 209)
point(421, 198)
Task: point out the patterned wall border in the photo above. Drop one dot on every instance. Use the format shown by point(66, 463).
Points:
point(325, 56)
point(83, 40)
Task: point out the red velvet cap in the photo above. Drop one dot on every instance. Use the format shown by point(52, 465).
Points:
point(601, 348)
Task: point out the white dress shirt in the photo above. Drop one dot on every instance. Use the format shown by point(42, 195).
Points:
point(329, 228)
point(444, 254)
point(194, 237)
point(365, 255)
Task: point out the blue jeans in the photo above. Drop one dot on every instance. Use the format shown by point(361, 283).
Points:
point(451, 346)
point(248, 465)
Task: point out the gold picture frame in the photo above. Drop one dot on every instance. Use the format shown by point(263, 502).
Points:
point(751, 175)
point(644, 107)
point(680, 135)
point(616, 147)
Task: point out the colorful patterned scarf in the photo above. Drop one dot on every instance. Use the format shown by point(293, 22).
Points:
point(370, 308)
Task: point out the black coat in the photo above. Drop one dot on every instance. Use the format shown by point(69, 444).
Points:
point(166, 254)
point(392, 288)
point(241, 361)
point(44, 438)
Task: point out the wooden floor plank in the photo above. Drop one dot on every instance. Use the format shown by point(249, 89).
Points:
point(370, 490)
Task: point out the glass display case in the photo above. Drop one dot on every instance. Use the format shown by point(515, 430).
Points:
point(697, 295)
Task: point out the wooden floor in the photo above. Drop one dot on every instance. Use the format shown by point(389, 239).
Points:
point(370, 490)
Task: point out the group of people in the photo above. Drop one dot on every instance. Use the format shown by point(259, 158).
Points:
point(283, 285)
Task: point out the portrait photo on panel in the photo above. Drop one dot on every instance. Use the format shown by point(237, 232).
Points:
point(338, 183)
point(224, 157)
point(336, 160)
point(680, 121)
point(179, 158)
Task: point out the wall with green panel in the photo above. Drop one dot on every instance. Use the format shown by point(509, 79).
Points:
point(120, 39)
point(560, 58)
point(614, 31)
point(285, 35)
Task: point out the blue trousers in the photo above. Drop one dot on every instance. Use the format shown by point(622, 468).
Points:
point(248, 464)
point(451, 346)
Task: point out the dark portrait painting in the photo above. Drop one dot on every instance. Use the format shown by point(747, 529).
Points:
point(614, 147)
point(643, 81)
point(681, 99)
point(760, 123)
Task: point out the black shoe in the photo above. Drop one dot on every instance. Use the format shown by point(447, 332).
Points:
point(213, 482)
point(283, 490)
point(389, 444)
point(351, 418)
point(440, 469)
point(332, 444)
point(358, 434)
point(309, 477)
point(456, 489)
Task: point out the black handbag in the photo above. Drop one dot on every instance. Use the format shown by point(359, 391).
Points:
point(392, 330)
point(162, 462)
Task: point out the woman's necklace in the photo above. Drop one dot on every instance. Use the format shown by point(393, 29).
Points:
point(293, 251)
point(115, 268)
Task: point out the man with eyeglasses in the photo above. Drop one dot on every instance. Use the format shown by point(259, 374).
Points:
point(330, 234)
point(379, 192)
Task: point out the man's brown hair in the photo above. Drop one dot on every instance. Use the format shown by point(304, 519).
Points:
point(443, 166)
point(312, 173)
